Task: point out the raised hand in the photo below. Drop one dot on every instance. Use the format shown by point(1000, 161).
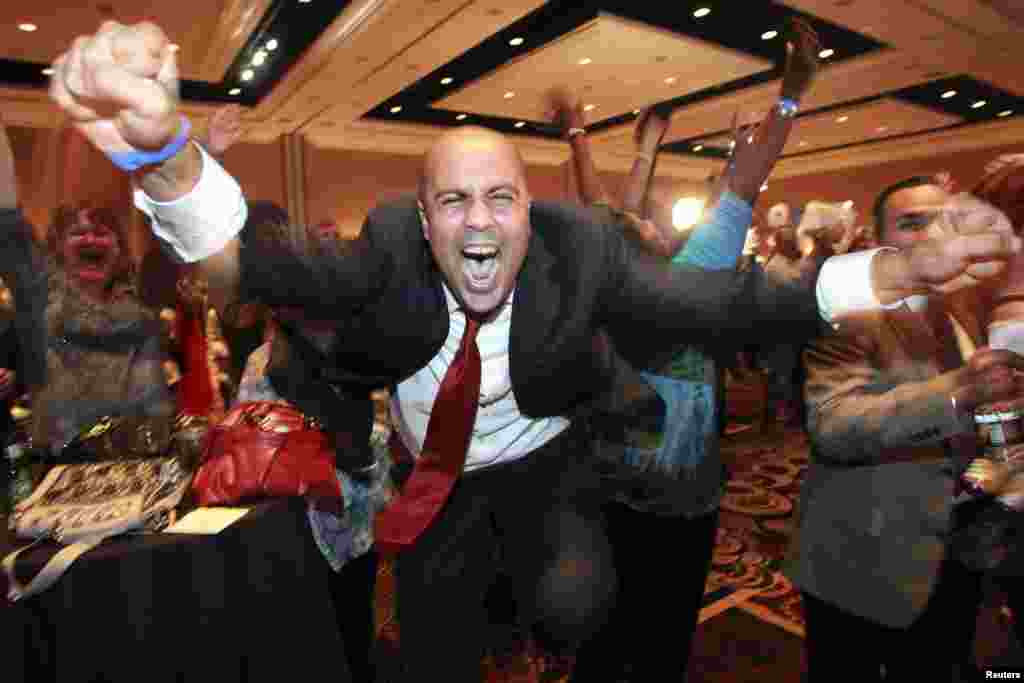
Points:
point(651, 126)
point(802, 48)
point(971, 242)
point(224, 129)
point(119, 87)
point(564, 109)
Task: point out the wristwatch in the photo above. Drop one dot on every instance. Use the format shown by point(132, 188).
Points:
point(787, 107)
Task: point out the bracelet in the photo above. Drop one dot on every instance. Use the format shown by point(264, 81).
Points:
point(788, 107)
point(135, 159)
point(573, 132)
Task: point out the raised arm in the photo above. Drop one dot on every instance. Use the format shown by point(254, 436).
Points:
point(567, 112)
point(119, 87)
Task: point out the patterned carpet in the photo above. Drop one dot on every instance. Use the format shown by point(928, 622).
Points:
point(752, 539)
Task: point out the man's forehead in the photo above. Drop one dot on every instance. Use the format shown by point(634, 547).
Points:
point(914, 198)
point(479, 152)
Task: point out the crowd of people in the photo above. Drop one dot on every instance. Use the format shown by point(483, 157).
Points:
point(554, 453)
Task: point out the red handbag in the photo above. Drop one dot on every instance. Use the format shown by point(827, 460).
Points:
point(265, 450)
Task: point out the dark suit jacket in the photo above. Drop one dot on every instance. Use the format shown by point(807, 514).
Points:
point(876, 504)
point(579, 276)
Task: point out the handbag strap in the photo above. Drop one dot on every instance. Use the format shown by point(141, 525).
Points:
point(51, 571)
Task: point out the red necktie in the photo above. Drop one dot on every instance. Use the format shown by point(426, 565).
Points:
point(444, 451)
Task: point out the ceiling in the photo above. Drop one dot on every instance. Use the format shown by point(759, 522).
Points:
point(387, 75)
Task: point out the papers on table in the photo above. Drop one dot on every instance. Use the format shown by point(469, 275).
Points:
point(207, 521)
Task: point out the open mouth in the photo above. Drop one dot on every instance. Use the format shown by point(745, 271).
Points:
point(480, 265)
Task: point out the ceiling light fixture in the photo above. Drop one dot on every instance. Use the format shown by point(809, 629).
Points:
point(272, 44)
point(670, 80)
point(509, 95)
point(27, 27)
point(589, 107)
point(949, 94)
point(697, 148)
point(701, 12)
point(395, 109)
point(247, 75)
point(461, 117)
point(305, 2)
point(826, 53)
point(803, 143)
point(520, 124)
point(764, 186)
point(881, 129)
point(842, 119)
point(48, 71)
point(585, 61)
point(1005, 113)
point(515, 42)
point(235, 91)
point(447, 80)
point(979, 104)
point(768, 35)
point(686, 212)
point(635, 112)
point(259, 58)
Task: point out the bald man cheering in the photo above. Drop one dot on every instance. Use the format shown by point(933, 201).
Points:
point(479, 307)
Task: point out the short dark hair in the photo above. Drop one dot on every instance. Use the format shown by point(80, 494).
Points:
point(879, 209)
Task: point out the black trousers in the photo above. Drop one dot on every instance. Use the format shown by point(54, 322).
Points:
point(935, 647)
point(352, 593)
point(663, 565)
point(540, 518)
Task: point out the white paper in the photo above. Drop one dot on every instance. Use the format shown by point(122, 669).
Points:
point(207, 521)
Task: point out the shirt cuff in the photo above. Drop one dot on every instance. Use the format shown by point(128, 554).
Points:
point(201, 222)
point(717, 241)
point(844, 286)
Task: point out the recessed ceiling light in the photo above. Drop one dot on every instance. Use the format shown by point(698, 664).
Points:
point(948, 94)
point(585, 61)
point(247, 75)
point(803, 143)
point(842, 119)
point(635, 112)
point(259, 58)
point(697, 148)
point(1005, 113)
point(979, 104)
point(395, 109)
point(702, 12)
point(589, 107)
point(881, 129)
point(305, 2)
point(48, 71)
point(447, 80)
point(27, 27)
point(670, 80)
point(509, 95)
point(515, 42)
point(235, 91)
point(174, 47)
point(520, 124)
point(272, 44)
point(461, 117)
point(826, 53)
point(768, 35)
point(764, 187)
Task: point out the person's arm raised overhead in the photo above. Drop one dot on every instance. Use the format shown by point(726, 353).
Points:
point(119, 87)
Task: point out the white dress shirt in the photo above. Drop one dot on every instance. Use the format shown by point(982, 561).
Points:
point(501, 433)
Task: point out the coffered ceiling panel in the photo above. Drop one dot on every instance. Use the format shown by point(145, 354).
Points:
point(615, 64)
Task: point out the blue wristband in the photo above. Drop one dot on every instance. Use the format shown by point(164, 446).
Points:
point(136, 159)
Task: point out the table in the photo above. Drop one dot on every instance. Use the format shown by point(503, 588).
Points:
point(248, 604)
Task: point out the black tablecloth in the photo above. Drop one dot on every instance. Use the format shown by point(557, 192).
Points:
point(248, 604)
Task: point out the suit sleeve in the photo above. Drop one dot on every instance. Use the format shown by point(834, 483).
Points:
point(326, 278)
point(27, 272)
point(683, 304)
point(857, 414)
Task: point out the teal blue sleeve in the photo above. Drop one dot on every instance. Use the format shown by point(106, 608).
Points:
point(717, 241)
